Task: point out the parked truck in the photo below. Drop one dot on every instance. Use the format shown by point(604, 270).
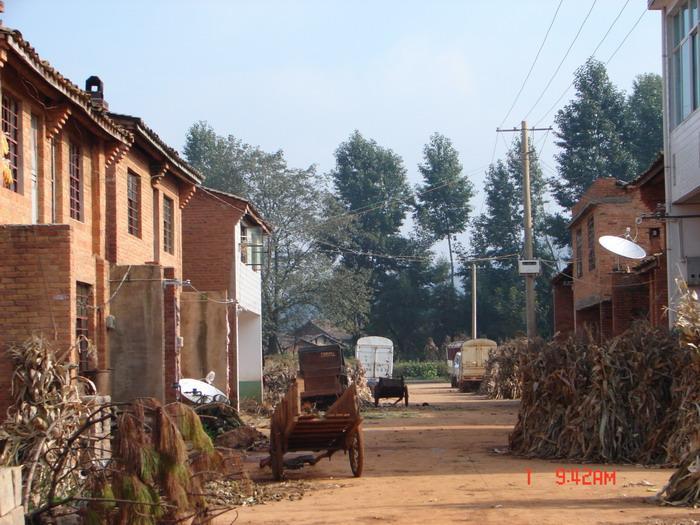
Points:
point(376, 355)
point(453, 350)
point(474, 354)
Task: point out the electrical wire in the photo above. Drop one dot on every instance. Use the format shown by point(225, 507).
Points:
point(600, 43)
point(114, 294)
point(207, 298)
point(561, 63)
point(532, 66)
point(626, 36)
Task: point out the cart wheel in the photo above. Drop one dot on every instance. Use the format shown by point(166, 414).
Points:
point(357, 453)
point(276, 455)
point(405, 395)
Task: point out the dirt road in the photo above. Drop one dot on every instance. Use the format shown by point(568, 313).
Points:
point(436, 464)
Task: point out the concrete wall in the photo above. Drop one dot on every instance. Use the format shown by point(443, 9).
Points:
point(205, 331)
point(249, 355)
point(137, 342)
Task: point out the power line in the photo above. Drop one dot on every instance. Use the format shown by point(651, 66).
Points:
point(626, 36)
point(532, 66)
point(556, 71)
point(600, 43)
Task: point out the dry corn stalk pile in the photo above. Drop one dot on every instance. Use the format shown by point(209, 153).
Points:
point(603, 403)
point(46, 411)
point(501, 377)
point(356, 374)
point(684, 486)
point(278, 373)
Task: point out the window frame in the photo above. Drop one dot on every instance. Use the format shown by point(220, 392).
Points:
point(684, 37)
point(11, 127)
point(590, 229)
point(133, 204)
point(75, 177)
point(168, 225)
point(579, 252)
point(83, 300)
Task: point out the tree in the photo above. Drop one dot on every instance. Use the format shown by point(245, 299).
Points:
point(644, 119)
point(222, 160)
point(498, 234)
point(591, 134)
point(370, 182)
point(297, 272)
point(443, 200)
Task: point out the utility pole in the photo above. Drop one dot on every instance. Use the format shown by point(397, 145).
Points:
point(473, 300)
point(530, 299)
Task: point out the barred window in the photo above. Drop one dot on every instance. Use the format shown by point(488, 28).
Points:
point(134, 204)
point(82, 318)
point(168, 225)
point(76, 182)
point(10, 126)
point(579, 253)
point(591, 243)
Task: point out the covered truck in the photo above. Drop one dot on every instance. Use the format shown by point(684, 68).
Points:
point(453, 349)
point(472, 366)
point(376, 355)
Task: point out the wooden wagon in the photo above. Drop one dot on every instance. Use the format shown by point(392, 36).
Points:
point(388, 387)
point(293, 431)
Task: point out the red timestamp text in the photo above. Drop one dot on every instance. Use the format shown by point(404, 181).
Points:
point(576, 476)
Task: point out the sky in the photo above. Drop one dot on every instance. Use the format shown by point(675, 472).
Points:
point(302, 75)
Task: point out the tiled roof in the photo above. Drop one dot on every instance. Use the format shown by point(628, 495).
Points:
point(81, 98)
point(250, 208)
point(136, 124)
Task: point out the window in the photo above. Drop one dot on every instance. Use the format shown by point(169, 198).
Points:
point(685, 60)
point(168, 222)
point(75, 173)
point(244, 244)
point(82, 318)
point(579, 253)
point(10, 126)
point(133, 197)
point(591, 243)
point(252, 246)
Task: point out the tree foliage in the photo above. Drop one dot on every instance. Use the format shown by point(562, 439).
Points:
point(644, 119)
point(296, 274)
point(442, 206)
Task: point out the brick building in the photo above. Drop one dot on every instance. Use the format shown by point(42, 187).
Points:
point(222, 254)
point(599, 290)
point(90, 229)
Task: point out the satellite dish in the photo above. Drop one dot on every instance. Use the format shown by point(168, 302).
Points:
point(200, 392)
point(622, 247)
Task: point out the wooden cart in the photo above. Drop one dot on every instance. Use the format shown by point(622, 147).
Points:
point(338, 429)
point(387, 387)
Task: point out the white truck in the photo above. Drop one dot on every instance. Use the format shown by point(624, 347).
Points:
point(472, 365)
point(376, 355)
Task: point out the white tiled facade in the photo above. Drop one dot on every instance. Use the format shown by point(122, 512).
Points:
point(681, 142)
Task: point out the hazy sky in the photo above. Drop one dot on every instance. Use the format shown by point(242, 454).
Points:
point(301, 75)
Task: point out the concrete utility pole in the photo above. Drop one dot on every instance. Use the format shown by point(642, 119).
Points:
point(530, 299)
point(473, 300)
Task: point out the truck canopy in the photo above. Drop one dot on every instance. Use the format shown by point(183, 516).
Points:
point(376, 355)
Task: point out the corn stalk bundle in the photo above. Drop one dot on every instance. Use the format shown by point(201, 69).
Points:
point(357, 375)
point(46, 411)
point(684, 486)
point(278, 374)
point(501, 376)
point(600, 402)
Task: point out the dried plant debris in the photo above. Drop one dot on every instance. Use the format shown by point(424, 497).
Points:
point(501, 375)
point(615, 402)
point(684, 486)
point(244, 492)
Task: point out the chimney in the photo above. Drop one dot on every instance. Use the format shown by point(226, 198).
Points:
point(95, 87)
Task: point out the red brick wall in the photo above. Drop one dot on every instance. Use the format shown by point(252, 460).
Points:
point(630, 301)
point(37, 290)
point(208, 242)
point(171, 333)
point(563, 307)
